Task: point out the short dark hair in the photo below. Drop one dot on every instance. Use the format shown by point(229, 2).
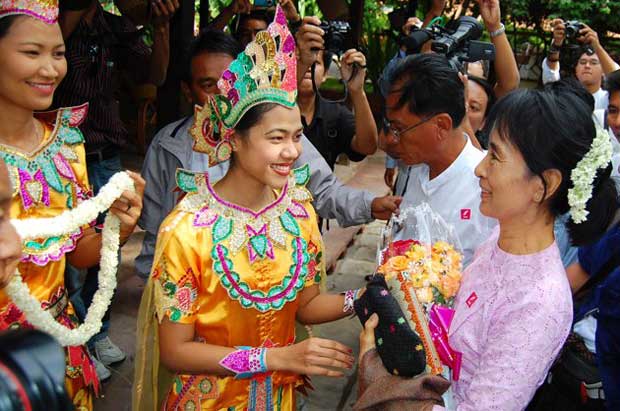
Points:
point(612, 82)
point(572, 85)
point(429, 85)
point(209, 41)
point(262, 15)
point(553, 129)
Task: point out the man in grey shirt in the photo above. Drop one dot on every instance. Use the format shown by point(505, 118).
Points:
point(210, 55)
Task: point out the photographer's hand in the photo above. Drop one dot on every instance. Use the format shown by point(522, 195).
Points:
point(353, 70)
point(309, 40)
point(559, 32)
point(588, 36)
point(411, 22)
point(289, 10)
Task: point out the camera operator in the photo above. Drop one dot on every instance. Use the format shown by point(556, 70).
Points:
point(330, 126)
point(591, 66)
point(251, 19)
point(10, 244)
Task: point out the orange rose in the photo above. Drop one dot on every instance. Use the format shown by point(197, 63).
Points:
point(448, 286)
point(398, 263)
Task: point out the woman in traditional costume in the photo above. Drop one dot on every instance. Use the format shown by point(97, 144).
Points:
point(238, 262)
point(45, 158)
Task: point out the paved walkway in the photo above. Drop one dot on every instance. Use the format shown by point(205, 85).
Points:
point(350, 252)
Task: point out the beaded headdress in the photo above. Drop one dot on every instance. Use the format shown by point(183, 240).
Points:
point(44, 10)
point(265, 72)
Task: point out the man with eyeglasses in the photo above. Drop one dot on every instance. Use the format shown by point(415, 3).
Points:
point(425, 105)
point(592, 65)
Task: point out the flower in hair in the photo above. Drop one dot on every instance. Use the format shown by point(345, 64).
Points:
point(584, 173)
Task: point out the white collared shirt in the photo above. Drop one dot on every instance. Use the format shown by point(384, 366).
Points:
point(455, 195)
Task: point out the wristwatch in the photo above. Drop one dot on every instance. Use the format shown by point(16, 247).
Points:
point(553, 48)
point(499, 31)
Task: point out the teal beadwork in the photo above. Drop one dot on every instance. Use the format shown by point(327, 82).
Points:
point(290, 224)
point(302, 175)
point(186, 180)
point(221, 229)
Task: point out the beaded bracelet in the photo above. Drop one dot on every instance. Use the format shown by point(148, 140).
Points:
point(349, 298)
point(246, 361)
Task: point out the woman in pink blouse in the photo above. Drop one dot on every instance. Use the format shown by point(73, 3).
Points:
point(514, 307)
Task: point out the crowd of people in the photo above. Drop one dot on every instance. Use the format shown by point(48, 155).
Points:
point(231, 199)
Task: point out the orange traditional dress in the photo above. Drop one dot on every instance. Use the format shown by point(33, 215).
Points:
point(45, 183)
point(235, 275)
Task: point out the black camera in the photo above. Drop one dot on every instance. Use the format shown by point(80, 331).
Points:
point(337, 36)
point(32, 372)
point(457, 41)
point(572, 29)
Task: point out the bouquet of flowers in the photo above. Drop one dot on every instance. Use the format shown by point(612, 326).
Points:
point(418, 275)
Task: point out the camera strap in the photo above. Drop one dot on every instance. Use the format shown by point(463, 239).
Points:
point(318, 93)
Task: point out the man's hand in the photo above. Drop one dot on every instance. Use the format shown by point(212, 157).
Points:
point(347, 61)
point(491, 14)
point(289, 10)
point(388, 177)
point(559, 32)
point(241, 6)
point(589, 36)
point(411, 22)
point(162, 11)
point(382, 208)
point(309, 40)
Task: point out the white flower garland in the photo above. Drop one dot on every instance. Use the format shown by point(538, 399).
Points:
point(68, 222)
point(584, 173)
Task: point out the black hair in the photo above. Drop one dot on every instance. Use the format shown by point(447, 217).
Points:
point(572, 85)
point(429, 85)
point(262, 15)
point(6, 23)
point(327, 57)
point(612, 82)
point(209, 41)
point(488, 89)
point(253, 116)
point(553, 129)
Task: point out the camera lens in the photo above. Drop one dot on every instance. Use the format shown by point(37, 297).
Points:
point(32, 371)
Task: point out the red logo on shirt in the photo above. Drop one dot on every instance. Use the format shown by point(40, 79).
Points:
point(471, 299)
point(465, 213)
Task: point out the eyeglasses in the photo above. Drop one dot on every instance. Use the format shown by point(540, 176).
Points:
point(593, 63)
point(397, 134)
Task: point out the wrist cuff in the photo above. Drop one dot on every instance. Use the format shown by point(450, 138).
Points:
point(246, 362)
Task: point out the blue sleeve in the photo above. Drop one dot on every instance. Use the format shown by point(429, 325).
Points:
point(390, 162)
point(568, 253)
point(608, 338)
point(594, 256)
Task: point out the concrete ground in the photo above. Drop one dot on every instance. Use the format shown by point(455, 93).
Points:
point(350, 252)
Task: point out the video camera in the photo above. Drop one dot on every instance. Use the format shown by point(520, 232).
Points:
point(32, 372)
point(457, 41)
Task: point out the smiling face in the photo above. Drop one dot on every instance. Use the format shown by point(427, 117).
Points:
point(32, 63)
point(509, 189)
point(265, 153)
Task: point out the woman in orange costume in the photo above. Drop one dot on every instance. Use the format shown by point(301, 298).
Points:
point(46, 164)
point(238, 261)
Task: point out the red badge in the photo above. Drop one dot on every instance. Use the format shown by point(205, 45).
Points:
point(471, 299)
point(465, 213)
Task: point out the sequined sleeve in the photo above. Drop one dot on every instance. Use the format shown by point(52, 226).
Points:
point(176, 270)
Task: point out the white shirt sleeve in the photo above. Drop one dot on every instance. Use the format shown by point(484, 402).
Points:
point(549, 75)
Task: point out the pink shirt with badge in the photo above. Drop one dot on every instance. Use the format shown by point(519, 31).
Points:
point(513, 314)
